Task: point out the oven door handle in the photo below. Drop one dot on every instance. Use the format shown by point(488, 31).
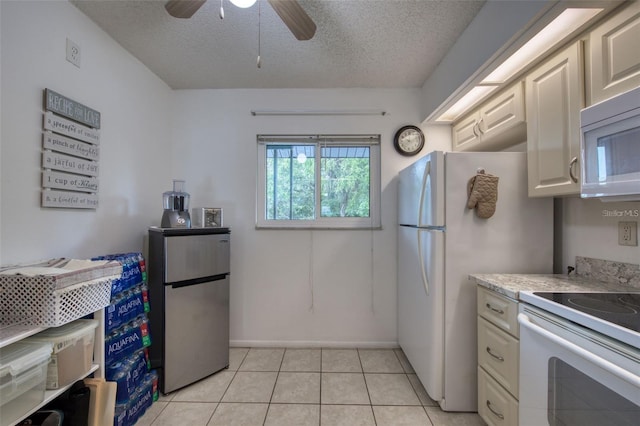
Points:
point(582, 353)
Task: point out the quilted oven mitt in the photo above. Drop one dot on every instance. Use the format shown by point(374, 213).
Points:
point(482, 191)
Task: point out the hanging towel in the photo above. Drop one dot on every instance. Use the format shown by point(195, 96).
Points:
point(482, 191)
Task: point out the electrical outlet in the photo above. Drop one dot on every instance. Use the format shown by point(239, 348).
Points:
point(628, 233)
point(73, 53)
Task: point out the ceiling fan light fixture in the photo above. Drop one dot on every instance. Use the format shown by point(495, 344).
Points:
point(243, 3)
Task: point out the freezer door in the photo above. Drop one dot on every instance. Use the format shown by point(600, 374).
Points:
point(196, 340)
point(189, 257)
point(421, 192)
point(421, 304)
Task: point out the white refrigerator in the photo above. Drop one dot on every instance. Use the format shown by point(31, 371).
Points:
point(441, 242)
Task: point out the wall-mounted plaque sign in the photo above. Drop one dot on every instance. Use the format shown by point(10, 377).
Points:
point(71, 109)
point(68, 199)
point(70, 146)
point(62, 126)
point(69, 181)
point(70, 154)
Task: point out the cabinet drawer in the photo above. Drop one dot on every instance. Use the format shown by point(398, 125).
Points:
point(495, 405)
point(498, 310)
point(498, 354)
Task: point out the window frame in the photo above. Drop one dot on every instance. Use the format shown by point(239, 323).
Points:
point(372, 222)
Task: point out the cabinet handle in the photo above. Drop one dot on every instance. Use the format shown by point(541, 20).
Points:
point(574, 160)
point(480, 128)
point(499, 311)
point(498, 357)
point(498, 415)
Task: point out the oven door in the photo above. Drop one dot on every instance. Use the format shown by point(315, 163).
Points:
point(570, 375)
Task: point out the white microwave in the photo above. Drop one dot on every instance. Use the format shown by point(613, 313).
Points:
point(610, 148)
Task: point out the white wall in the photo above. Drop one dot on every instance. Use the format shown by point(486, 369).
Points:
point(590, 229)
point(296, 287)
point(135, 135)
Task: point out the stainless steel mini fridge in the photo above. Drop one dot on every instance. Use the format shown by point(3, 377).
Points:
point(189, 295)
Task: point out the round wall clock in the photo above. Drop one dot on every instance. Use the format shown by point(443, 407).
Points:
point(409, 140)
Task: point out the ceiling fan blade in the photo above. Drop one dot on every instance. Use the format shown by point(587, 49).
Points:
point(183, 8)
point(294, 17)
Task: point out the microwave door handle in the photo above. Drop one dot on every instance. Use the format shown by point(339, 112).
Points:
point(574, 160)
point(582, 353)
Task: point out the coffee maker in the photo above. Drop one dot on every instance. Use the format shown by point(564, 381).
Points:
point(176, 207)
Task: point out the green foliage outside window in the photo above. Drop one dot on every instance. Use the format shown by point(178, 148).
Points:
point(344, 181)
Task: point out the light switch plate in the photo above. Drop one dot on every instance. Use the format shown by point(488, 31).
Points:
point(628, 233)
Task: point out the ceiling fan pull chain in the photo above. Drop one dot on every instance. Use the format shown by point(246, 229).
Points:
point(221, 10)
point(259, 59)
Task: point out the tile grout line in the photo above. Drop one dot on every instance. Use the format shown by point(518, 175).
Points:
point(373, 414)
point(275, 383)
point(412, 386)
point(235, 373)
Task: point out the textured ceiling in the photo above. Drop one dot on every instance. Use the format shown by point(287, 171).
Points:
point(358, 43)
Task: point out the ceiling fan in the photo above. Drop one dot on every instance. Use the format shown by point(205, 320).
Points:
point(290, 11)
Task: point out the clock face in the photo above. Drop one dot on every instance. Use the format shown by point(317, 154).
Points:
point(409, 140)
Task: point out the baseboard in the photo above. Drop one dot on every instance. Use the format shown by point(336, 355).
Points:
point(311, 344)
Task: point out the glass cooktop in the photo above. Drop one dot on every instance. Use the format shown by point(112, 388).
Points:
point(622, 309)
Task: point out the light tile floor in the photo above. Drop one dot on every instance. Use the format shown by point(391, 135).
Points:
point(299, 387)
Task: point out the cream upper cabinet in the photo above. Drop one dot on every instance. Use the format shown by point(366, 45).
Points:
point(465, 132)
point(553, 102)
point(496, 124)
point(614, 55)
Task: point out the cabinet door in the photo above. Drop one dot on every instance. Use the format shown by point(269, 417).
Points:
point(498, 354)
point(502, 120)
point(614, 60)
point(495, 405)
point(465, 133)
point(554, 97)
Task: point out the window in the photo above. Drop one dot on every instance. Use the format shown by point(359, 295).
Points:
point(318, 181)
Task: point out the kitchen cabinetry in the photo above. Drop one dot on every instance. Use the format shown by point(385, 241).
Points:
point(498, 358)
point(495, 125)
point(614, 55)
point(554, 98)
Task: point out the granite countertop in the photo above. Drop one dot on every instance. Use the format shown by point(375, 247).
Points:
point(511, 285)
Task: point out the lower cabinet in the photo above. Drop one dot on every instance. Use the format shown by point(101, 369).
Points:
point(498, 358)
point(498, 406)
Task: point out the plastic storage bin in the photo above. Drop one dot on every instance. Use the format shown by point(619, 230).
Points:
point(23, 373)
point(72, 353)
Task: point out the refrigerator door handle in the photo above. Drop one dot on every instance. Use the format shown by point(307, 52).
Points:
point(425, 281)
point(196, 281)
point(427, 173)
